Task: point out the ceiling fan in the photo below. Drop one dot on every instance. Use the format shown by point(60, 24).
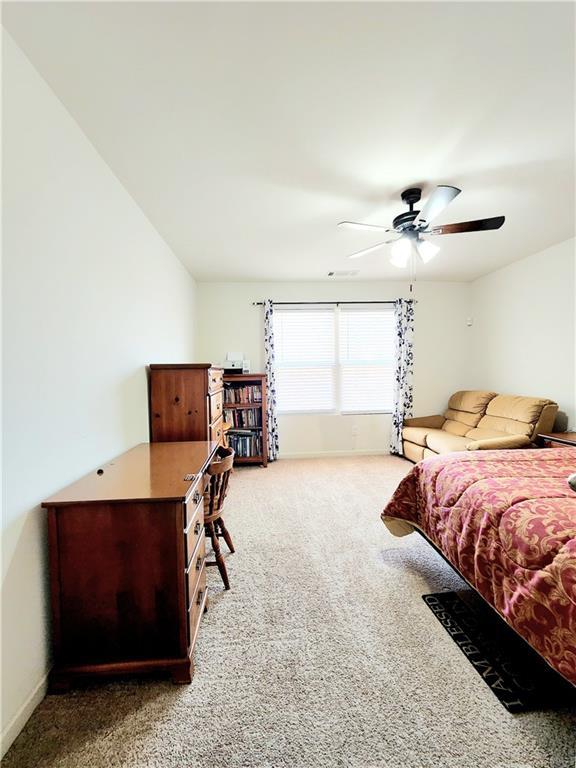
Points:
point(411, 225)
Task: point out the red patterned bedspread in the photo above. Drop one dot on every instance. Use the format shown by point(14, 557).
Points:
point(507, 521)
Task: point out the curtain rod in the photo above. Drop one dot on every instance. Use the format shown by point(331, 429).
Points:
point(337, 303)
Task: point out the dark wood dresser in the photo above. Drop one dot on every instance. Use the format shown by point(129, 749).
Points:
point(127, 564)
point(186, 402)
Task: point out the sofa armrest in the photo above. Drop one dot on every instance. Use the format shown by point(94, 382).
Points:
point(434, 422)
point(499, 443)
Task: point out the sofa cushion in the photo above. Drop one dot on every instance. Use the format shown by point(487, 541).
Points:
point(413, 452)
point(496, 426)
point(456, 427)
point(443, 442)
point(471, 400)
point(416, 434)
point(485, 433)
point(517, 408)
point(463, 417)
point(465, 409)
point(500, 443)
point(510, 415)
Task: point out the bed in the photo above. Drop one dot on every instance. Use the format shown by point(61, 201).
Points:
point(506, 520)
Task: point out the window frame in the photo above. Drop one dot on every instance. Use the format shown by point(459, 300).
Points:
point(336, 368)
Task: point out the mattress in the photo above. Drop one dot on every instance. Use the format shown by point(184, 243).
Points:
point(506, 520)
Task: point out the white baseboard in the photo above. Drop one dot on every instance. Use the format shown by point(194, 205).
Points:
point(21, 717)
point(335, 454)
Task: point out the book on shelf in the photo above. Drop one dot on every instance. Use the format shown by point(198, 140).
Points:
point(246, 393)
point(246, 444)
point(243, 418)
point(244, 412)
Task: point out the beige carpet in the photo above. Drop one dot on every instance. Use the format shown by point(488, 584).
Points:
point(323, 654)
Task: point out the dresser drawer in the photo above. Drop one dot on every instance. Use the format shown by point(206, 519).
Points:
point(195, 569)
point(215, 406)
point(194, 532)
point(193, 501)
point(196, 607)
point(215, 379)
point(216, 432)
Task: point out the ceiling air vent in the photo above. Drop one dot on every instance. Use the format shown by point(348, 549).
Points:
point(343, 273)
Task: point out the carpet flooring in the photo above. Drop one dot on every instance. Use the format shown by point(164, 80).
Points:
point(323, 654)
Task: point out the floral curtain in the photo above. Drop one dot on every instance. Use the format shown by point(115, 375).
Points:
point(271, 401)
point(404, 347)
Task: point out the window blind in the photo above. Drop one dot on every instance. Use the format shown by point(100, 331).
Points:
point(366, 359)
point(305, 358)
point(334, 359)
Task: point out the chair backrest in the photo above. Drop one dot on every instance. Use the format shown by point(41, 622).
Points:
point(219, 474)
point(465, 409)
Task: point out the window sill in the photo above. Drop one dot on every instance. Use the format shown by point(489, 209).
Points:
point(333, 413)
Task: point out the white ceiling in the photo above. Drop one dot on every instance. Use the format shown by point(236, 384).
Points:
point(247, 131)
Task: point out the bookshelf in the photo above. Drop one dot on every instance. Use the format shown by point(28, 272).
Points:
point(245, 411)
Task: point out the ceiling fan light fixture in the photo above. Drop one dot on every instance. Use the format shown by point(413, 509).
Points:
point(401, 251)
point(426, 250)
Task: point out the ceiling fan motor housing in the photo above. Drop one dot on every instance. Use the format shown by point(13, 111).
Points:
point(404, 222)
point(411, 196)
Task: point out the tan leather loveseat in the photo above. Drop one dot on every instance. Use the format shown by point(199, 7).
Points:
point(478, 420)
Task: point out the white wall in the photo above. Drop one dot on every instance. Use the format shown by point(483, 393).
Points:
point(227, 321)
point(91, 294)
point(524, 327)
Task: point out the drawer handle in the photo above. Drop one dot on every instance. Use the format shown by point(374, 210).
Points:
point(199, 598)
point(197, 528)
point(197, 496)
point(199, 562)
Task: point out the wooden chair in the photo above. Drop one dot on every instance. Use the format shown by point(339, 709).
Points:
point(219, 474)
point(225, 429)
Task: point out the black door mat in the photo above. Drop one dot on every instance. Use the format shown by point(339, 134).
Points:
point(514, 672)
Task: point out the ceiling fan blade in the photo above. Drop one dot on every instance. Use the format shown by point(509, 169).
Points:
point(436, 203)
point(364, 251)
point(468, 226)
point(360, 225)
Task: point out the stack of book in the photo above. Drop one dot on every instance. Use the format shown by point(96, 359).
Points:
point(243, 418)
point(244, 415)
point(245, 443)
point(247, 394)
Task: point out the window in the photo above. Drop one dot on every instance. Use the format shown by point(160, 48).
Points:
point(336, 359)
point(366, 360)
point(305, 359)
